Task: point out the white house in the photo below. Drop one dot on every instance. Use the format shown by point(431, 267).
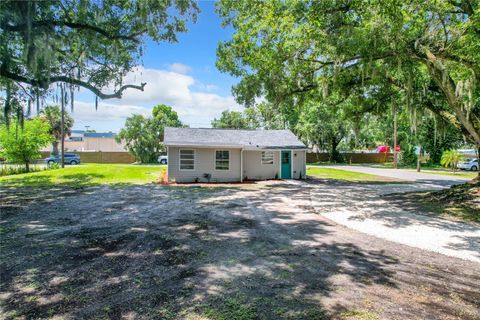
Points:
point(229, 155)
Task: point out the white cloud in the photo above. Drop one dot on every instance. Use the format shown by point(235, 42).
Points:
point(106, 111)
point(108, 117)
point(179, 68)
point(195, 107)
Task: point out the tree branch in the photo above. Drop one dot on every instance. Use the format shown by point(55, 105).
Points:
point(73, 25)
point(358, 57)
point(45, 84)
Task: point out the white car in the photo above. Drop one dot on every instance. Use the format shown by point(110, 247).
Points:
point(163, 159)
point(469, 164)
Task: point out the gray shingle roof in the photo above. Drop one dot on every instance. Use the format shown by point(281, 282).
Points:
point(204, 137)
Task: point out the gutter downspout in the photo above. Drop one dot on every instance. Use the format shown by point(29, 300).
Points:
point(168, 164)
point(241, 165)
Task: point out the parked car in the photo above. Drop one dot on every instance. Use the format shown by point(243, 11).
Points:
point(469, 164)
point(163, 159)
point(70, 158)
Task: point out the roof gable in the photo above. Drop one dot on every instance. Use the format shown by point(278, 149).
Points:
point(254, 139)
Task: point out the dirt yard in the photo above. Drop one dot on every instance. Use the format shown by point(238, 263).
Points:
point(243, 252)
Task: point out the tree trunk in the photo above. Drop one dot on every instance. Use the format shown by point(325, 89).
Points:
point(55, 148)
point(478, 164)
point(334, 156)
point(395, 160)
point(27, 166)
point(62, 141)
point(418, 159)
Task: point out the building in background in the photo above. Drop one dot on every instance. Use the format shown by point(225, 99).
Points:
point(81, 140)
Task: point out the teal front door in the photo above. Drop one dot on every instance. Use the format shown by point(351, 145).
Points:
point(286, 165)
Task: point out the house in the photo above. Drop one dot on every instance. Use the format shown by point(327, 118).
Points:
point(229, 155)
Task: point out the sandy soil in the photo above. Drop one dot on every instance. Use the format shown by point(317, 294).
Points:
point(245, 252)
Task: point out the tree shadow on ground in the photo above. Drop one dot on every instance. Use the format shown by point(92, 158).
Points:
point(162, 252)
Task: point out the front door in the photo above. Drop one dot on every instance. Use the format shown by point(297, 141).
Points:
point(286, 165)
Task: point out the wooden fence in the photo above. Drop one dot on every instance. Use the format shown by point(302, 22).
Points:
point(100, 157)
point(125, 157)
point(352, 157)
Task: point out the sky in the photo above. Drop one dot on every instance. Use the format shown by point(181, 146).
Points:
point(182, 75)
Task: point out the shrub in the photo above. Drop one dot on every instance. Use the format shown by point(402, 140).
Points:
point(163, 177)
point(450, 158)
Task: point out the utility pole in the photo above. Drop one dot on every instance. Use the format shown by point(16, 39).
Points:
point(394, 135)
point(418, 158)
point(63, 127)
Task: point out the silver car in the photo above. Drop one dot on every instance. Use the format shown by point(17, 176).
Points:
point(469, 164)
point(70, 158)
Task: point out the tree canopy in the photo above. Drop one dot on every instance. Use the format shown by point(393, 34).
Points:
point(23, 145)
point(232, 120)
point(143, 136)
point(53, 115)
point(88, 44)
point(414, 53)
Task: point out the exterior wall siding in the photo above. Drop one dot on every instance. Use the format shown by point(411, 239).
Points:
point(204, 163)
point(299, 168)
point(253, 169)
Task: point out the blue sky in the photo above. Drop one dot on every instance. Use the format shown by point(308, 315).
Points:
point(181, 74)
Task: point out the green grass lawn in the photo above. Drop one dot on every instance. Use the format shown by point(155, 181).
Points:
point(347, 176)
point(86, 174)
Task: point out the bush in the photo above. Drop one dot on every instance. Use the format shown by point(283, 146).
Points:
point(408, 155)
point(450, 158)
point(7, 170)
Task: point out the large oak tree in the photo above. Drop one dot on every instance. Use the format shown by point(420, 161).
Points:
point(81, 43)
point(427, 51)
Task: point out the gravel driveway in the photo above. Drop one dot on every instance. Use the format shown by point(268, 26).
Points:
point(370, 209)
point(256, 251)
point(421, 180)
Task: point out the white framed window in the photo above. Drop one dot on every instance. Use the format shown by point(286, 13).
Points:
point(222, 160)
point(267, 157)
point(187, 159)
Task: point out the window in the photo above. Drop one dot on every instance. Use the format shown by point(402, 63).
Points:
point(222, 160)
point(267, 157)
point(187, 159)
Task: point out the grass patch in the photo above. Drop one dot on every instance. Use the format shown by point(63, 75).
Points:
point(228, 308)
point(347, 176)
point(359, 315)
point(460, 201)
point(87, 174)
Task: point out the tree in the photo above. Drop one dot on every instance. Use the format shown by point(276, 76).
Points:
point(262, 115)
point(143, 136)
point(437, 136)
point(324, 126)
point(23, 145)
point(427, 51)
point(450, 158)
point(53, 115)
point(232, 120)
point(265, 115)
point(88, 44)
